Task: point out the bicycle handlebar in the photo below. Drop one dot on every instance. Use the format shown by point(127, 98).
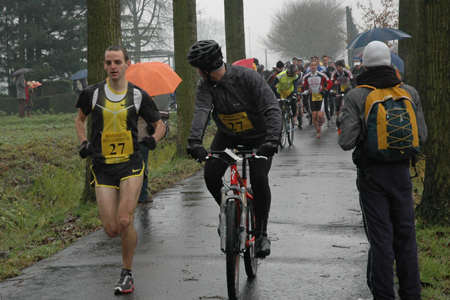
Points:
point(234, 155)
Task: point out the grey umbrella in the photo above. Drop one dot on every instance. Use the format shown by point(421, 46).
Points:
point(22, 71)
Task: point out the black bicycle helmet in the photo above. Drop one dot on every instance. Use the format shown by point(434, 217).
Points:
point(205, 55)
point(291, 70)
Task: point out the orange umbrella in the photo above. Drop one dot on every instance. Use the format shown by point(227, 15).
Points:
point(156, 78)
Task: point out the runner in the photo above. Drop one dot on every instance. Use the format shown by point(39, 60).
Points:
point(118, 168)
point(344, 82)
point(315, 83)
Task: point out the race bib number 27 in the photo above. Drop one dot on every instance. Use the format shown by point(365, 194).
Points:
point(117, 143)
point(237, 122)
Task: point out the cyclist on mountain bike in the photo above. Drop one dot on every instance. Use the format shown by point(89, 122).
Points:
point(287, 85)
point(344, 82)
point(246, 113)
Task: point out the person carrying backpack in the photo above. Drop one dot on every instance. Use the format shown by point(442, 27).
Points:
point(382, 157)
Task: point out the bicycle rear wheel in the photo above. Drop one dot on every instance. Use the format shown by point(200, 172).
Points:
point(290, 130)
point(232, 250)
point(250, 261)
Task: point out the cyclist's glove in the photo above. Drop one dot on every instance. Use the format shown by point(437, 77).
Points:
point(198, 152)
point(267, 149)
point(86, 149)
point(149, 142)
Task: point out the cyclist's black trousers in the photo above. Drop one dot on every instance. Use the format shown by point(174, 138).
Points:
point(258, 170)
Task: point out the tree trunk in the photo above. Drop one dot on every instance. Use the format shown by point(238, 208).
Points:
point(185, 35)
point(434, 32)
point(234, 30)
point(103, 22)
point(408, 48)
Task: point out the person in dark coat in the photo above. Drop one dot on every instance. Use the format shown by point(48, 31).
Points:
point(385, 187)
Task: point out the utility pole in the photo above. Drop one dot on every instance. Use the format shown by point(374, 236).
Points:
point(249, 46)
point(265, 51)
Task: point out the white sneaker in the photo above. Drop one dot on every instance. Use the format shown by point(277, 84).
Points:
point(328, 123)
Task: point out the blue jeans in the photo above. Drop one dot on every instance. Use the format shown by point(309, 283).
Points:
point(144, 191)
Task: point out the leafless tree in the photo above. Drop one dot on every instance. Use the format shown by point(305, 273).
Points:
point(211, 29)
point(307, 28)
point(146, 26)
point(387, 16)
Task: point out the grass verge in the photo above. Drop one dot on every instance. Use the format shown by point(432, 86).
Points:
point(41, 182)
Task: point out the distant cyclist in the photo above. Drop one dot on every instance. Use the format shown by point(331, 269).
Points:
point(316, 83)
point(246, 113)
point(287, 84)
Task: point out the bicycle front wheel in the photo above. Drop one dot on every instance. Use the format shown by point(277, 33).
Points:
point(283, 132)
point(290, 130)
point(251, 262)
point(232, 250)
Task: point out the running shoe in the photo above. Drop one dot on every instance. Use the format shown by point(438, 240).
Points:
point(262, 248)
point(318, 134)
point(125, 283)
point(328, 123)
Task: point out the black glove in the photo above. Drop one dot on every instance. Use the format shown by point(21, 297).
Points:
point(149, 142)
point(198, 152)
point(85, 150)
point(267, 149)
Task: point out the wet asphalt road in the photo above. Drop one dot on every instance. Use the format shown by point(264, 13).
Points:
point(319, 249)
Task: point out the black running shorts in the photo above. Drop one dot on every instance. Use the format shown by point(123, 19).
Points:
point(338, 104)
point(110, 175)
point(316, 105)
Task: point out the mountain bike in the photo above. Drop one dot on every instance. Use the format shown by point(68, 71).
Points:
point(237, 219)
point(287, 130)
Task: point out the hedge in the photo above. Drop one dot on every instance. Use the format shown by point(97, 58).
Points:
point(49, 88)
point(64, 103)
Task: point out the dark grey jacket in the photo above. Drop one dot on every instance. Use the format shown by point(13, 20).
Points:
point(20, 87)
point(353, 125)
point(242, 105)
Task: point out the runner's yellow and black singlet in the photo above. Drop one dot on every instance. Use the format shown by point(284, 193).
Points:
point(114, 120)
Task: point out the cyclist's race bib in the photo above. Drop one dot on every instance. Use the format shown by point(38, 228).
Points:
point(117, 143)
point(237, 122)
point(317, 97)
point(284, 94)
point(343, 87)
